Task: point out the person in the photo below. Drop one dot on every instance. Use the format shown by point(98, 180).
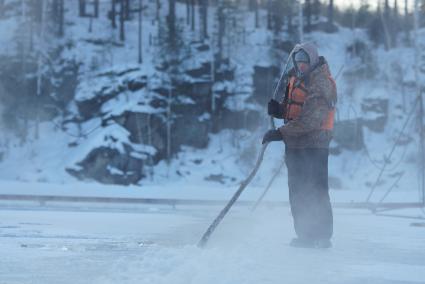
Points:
point(307, 108)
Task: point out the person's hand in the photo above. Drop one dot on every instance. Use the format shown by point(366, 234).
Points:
point(272, 135)
point(274, 109)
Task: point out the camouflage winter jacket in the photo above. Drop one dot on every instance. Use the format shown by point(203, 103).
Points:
point(305, 131)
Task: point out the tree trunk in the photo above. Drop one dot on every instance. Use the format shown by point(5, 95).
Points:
point(395, 24)
point(316, 9)
point(140, 31)
point(387, 37)
point(331, 13)
point(257, 24)
point(300, 22)
point(82, 8)
point(96, 8)
point(2, 8)
point(24, 91)
point(192, 2)
point(127, 9)
point(221, 30)
point(61, 11)
point(406, 22)
point(188, 12)
point(290, 27)
point(205, 24)
point(308, 14)
point(122, 15)
point(171, 19)
point(113, 14)
point(39, 67)
point(158, 7)
point(269, 14)
point(169, 123)
point(421, 107)
point(203, 18)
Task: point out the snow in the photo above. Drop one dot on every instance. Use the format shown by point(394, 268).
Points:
point(109, 66)
point(158, 245)
point(59, 242)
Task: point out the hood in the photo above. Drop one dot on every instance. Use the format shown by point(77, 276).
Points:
point(310, 49)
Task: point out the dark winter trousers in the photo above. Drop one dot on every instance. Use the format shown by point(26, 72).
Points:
point(309, 192)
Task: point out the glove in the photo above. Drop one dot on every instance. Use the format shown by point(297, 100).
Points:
point(272, 135)
point(275, 109)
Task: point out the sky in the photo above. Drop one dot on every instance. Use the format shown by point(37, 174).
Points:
point(373, 3)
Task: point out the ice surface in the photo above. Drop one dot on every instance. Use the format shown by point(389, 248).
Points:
point(157, 245)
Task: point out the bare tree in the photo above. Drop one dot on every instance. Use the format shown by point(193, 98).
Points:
point(127, 9)
point(203, 13)
point(2, 8)
point(257, 20)
point(39, 64)
point(331, 13)
point(188, 12)
point(171, 21)
point(113, 14)
point(158, 7)
point(385, 27)
point(406, 22)
point(419, 93)
point(308, 14)
point(192, 16)
point(269, 14)
point(82, 7)
point(140, 31)
point(122, 20)
point(61, 17)
point(300, 21)
point(221, 19)
point(316, 9)
point(395, 27)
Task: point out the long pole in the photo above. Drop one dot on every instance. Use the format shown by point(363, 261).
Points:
point(232, 201)
point(245, 183)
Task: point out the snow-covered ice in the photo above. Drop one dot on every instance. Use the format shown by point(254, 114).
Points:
point(158, 245)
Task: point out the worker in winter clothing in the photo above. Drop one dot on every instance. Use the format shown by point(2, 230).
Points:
point(307, 108)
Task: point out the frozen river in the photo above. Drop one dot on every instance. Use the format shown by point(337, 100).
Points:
point(158, 245)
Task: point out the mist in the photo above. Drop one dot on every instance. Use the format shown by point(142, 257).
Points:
point(131, 129)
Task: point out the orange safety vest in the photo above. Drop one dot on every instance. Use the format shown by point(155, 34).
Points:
point(296, 95)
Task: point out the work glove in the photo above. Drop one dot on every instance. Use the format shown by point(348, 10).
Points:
point(272, 135)
point(275, 109)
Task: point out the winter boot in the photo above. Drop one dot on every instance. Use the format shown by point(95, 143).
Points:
point(302, 243)
point(322, 244)
point(310, 243)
